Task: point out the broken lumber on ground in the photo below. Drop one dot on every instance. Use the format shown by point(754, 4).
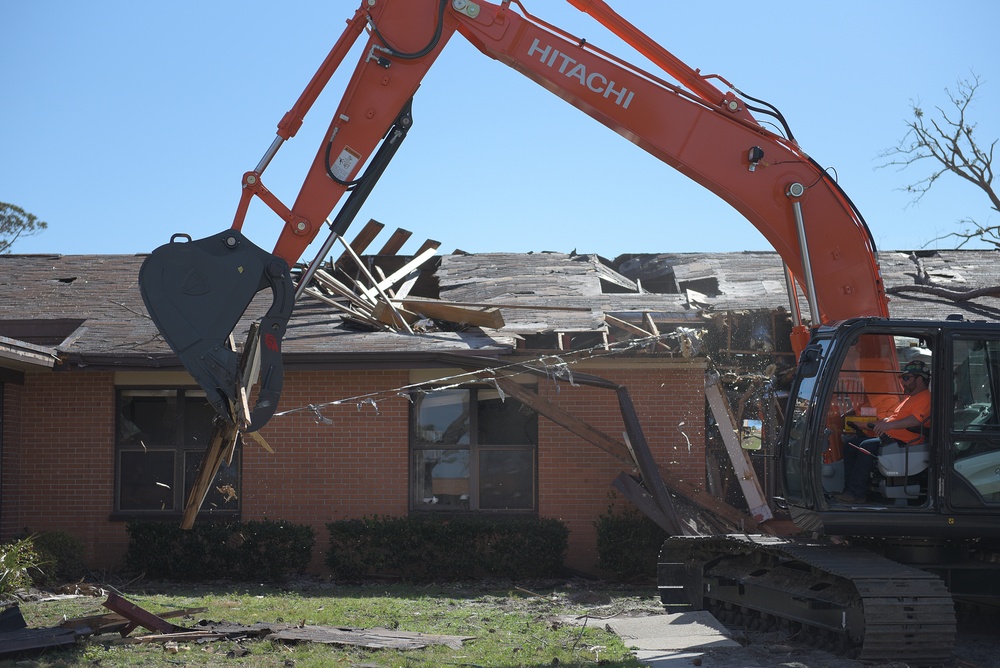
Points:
point(127, 616)
point(16, 638)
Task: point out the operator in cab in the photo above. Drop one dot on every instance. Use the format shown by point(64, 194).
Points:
point(912, 412)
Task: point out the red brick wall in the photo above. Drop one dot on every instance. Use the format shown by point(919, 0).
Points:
point(58, 456)
point(319, 472)
point(575, 476)
point(58, 461)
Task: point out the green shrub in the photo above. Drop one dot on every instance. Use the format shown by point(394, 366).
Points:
point(16, 558)
point(257, 550)
point(424, 548)
point(60, 558)
point(628, 545)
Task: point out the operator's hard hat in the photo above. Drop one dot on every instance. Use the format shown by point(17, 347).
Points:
point(917, 368)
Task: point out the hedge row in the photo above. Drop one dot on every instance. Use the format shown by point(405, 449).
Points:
point(418, 548)
point(257, 550)
point(428, 548)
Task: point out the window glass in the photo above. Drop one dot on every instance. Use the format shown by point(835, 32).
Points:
point(975, 447)
point(147, 417)
point(506, 480)
point(796, 445)
point(868, 387)
point(442, 479)
point(442, 418)
point(199, 419)
point(146, 480)
point(505, 422)
point(162, 436)
point(472, 449)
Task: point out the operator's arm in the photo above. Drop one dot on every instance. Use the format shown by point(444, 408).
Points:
point(884, 425)
point(911, 413)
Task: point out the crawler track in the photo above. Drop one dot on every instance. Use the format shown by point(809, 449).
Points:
point(851, 599)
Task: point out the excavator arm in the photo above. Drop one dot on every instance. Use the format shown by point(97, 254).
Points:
point(197, 291)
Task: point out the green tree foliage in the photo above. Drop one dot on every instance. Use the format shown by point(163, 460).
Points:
point(15, 222)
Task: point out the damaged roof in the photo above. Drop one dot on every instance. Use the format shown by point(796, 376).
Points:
point(88, 307)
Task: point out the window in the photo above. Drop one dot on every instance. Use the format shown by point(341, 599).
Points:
point(472, 449)
point(161, 437)
point(975, 437)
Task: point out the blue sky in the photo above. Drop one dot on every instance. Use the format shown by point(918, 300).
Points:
point(124, 122)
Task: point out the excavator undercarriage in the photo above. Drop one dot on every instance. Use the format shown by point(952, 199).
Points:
point(844, 598)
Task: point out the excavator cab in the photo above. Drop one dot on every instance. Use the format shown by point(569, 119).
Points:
point(941, 481)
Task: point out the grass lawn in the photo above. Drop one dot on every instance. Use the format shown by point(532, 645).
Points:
point(510, 625)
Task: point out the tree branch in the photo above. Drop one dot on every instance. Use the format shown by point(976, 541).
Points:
point(950, 144)
point(953, 295)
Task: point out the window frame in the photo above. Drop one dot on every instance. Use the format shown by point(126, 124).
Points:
point(181, 447)
point(475, 451)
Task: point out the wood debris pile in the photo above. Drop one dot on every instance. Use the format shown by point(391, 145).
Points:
point(372, 298)
point(18, 640)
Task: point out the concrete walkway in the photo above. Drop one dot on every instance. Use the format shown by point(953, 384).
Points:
point(665, 641)
point(697, 638)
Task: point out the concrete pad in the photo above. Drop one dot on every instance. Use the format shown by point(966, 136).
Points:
point(729, 658)
point(667, 658)
point(684, 631)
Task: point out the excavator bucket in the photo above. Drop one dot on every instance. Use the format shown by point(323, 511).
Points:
point(196, 292)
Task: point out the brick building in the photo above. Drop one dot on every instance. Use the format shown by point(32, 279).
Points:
point(101, 425)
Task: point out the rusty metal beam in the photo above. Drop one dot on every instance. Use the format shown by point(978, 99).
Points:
point(138, 616)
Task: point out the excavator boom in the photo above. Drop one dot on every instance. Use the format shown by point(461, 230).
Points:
point(197, 295)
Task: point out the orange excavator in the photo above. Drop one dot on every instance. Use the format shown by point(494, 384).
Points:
point(936, 506)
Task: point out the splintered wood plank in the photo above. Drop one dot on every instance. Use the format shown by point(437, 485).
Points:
point(386, 313)
point(223, 437)
point(375, 638)
point(364, 270)
point(567, 421)
point(402, 272)
point(222, 443)
point(395, 242)
point(25, 640)
point(742, 467)
point(530, 307)
point(403, 290)
point(488, 317)
point(350, 309)
point(363, 238)
point(249, 371)
point(635, 329)
point(430, 243)
point(331, 283)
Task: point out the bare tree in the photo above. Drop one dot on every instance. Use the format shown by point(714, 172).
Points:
point(948, 144)
point(15, 222)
